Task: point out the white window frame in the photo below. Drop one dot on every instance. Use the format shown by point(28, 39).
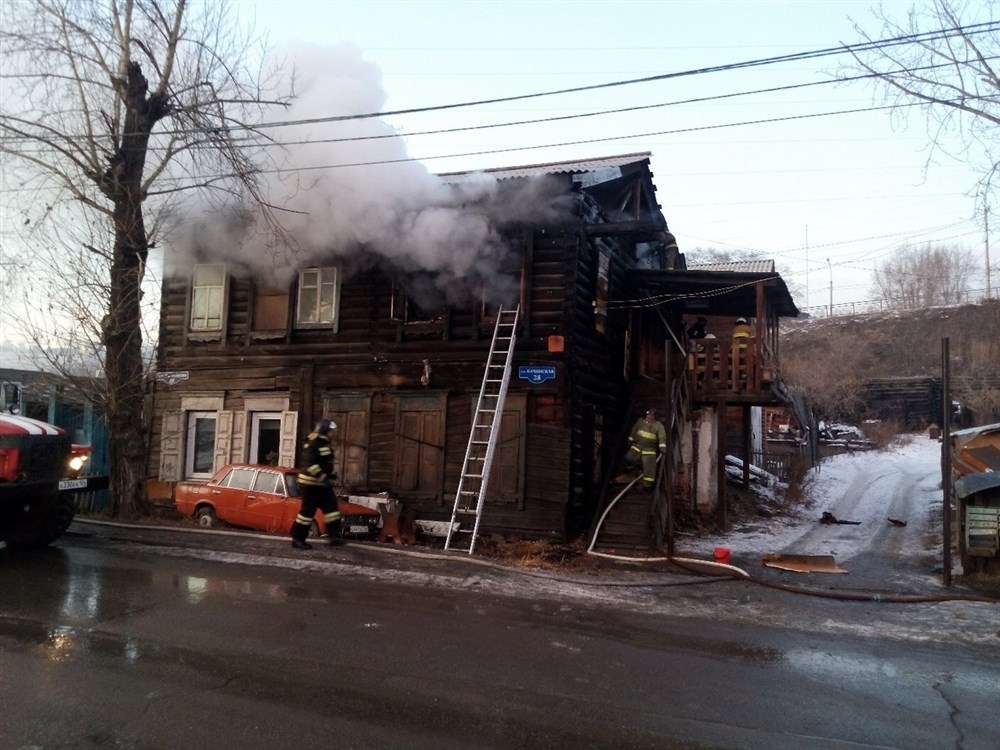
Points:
point(255, 420)
point(193, 418)
point(318, 300)
point(208, 300)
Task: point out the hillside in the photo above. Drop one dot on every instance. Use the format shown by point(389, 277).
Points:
point(830, 359)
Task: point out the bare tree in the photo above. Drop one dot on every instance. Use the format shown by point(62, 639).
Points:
point(112, 108)
point(829, 372)
point(951, 75)
point(915, 277)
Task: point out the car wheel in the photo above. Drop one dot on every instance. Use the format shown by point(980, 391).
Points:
point(314, 530)
point(206, 518)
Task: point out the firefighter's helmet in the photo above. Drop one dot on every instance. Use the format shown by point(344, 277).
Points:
point(324, 426)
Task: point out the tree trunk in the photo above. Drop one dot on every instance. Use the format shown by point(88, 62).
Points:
point(122, 326)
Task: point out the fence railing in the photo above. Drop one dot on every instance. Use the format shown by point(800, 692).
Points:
point(880, 305)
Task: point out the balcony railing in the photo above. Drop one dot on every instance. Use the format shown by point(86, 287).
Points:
point(723, 367)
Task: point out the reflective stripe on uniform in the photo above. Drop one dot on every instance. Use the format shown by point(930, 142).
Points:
point(303, 520)
point(331, 517)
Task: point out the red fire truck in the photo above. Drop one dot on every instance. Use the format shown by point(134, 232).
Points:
point(40, 471)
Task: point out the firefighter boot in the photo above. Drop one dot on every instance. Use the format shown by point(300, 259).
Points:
point(335, 533)
point(299, 534)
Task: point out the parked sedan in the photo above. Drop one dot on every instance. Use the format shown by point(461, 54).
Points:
point(262, 497)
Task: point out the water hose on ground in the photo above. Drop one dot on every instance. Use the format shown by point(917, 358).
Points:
point(731, 571)
point(696, 567)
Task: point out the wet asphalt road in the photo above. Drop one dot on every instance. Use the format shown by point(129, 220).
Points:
point(132, 638)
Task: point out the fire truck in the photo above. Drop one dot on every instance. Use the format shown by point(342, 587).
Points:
point(40, 472)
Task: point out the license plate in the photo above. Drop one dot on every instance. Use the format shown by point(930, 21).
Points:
point(72, 484)
point(357, 529)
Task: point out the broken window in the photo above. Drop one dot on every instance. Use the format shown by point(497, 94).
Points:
point(414, 305)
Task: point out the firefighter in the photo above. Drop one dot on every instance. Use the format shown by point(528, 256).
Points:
point(648, 438)
point(742, 333)
point(742, 330)
point(316, 485)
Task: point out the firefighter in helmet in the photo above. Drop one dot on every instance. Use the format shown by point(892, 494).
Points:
point(648, 437)
point(316, 485)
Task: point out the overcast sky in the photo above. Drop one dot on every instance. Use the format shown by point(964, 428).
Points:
point(827, 197)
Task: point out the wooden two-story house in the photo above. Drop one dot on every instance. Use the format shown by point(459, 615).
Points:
point(247, 364)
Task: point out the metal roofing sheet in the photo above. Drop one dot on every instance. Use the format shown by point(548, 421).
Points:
point(557, 167)
point(973, 483)
point(981, 430)
point(734, 266)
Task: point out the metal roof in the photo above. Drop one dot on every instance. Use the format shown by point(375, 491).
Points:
point(715, 292)
point(970, 484)
point(734, 266)
point(981, 430)
point(557, 167)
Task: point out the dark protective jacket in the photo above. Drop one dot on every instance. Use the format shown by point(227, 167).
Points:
point(317, 461)
point(648, 437)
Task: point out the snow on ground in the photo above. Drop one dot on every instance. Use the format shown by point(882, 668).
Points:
point(903, 482)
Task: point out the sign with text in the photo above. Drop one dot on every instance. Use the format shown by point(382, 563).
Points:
point(536, 373)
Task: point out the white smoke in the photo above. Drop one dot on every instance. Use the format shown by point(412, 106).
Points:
point(385, 209)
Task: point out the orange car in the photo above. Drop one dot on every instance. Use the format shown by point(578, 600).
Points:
point(264, 498)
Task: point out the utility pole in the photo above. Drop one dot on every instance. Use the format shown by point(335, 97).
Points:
point(830, 266)
point(807, 265)
point(946, 459)
point(986, 228)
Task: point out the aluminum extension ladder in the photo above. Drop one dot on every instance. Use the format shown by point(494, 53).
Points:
point(486, 422)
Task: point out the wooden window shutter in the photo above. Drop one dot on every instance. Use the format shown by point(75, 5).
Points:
point(171, 440)
point(223, 439)
point(289, 439)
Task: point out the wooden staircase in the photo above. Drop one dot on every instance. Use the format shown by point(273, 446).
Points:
point(639, 522)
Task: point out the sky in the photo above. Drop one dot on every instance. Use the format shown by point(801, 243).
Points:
point(826, 197)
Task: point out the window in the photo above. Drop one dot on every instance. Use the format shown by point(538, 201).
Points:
point(506, 484)
point(408, 308)
point(269, 482)
point(350, 441)
point(265, 438)
point(317, 303)
point(208, 296)
point(419, 454)
point(200, 444)
point(270, 312)
point(239, 479)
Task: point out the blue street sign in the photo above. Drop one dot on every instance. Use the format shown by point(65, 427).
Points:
point(537, 373)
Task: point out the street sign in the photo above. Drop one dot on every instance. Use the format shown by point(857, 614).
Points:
point(536, 373)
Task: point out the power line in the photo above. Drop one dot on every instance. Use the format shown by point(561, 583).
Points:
point(923, 37)
point(971, 30)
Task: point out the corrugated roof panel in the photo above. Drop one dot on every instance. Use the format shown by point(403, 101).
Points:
point(734, 266)
point(558, 167)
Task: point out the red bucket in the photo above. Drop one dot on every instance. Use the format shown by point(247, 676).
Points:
point(722, 555)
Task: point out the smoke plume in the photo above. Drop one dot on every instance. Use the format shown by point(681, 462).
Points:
point(385, 210)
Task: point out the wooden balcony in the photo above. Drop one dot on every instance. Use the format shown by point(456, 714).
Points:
point(731, 371)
